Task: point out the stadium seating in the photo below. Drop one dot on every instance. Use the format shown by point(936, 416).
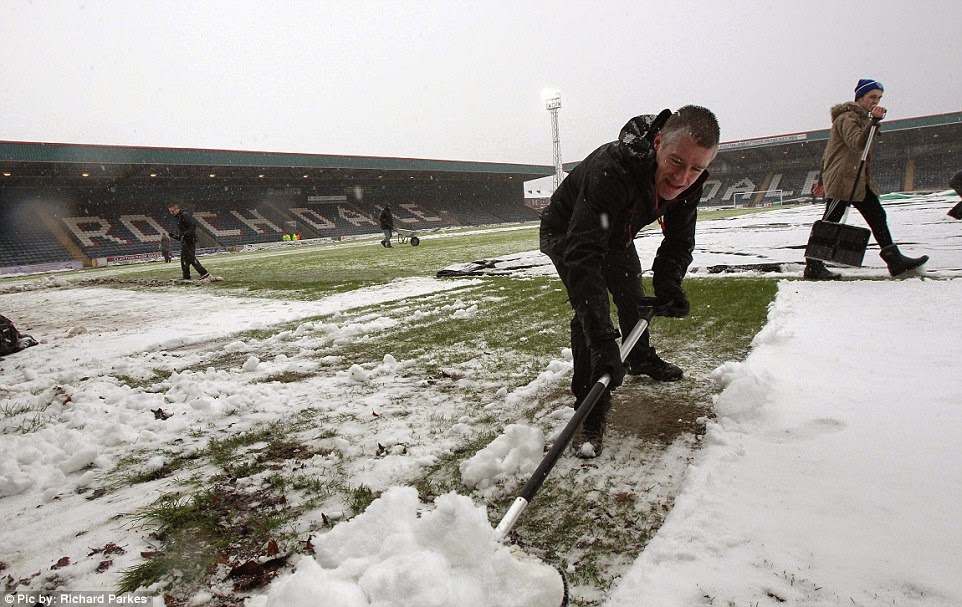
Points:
point(934, 172)
point(31, 247)
point(760, 187)
point(114, 222)
point(25, 241)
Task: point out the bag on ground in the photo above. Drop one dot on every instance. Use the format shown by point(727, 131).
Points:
point(12, 340)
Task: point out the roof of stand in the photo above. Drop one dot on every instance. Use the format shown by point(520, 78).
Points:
point(76, 164)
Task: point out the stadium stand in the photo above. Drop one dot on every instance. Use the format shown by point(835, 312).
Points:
point(25, 238)
point(32, 246)
point(101, 204)
point(915, 154)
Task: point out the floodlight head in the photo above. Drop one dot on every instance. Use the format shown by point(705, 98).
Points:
point(552, 99)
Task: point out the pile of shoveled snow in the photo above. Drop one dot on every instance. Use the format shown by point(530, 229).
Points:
point(395, 554)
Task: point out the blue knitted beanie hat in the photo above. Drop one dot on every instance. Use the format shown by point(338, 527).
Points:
point(865, 85)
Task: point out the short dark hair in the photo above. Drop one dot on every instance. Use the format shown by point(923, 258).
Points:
point(695, 121)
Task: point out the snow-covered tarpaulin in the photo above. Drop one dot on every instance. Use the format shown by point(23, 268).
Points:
point(831, 475)
point(774, 242)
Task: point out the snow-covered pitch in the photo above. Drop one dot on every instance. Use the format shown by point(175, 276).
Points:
point(830, 474)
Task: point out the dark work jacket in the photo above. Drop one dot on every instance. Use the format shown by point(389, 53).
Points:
point(186, 227)
point(386, 219)
point(599, 209)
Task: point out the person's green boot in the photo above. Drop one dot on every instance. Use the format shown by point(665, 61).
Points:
point(899, 263)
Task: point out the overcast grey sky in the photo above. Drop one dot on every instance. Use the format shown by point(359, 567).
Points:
point(455, 80)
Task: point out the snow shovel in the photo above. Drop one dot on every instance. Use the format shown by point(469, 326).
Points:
point(956, 184)
point(955, 212)
point(551, 457)
point(836, 242)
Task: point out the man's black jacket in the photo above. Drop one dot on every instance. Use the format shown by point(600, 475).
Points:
point(386, 219)
point(598, 210)
point(186, 227)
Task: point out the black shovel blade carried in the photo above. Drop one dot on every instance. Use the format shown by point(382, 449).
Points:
point(955, 212)
point(837, 243)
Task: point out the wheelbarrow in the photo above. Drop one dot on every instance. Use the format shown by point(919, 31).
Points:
point(404, 235)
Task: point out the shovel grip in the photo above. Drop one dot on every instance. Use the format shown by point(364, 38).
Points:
point(587, 404)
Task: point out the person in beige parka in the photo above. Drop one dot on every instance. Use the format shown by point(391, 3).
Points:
point(840, 177)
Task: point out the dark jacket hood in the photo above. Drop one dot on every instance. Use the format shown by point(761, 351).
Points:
point(637, 137)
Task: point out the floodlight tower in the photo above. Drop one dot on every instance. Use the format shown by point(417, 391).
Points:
point(553, 103)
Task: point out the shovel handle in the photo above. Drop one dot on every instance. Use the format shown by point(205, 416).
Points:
point(861, 163)
point(551, 457)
